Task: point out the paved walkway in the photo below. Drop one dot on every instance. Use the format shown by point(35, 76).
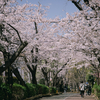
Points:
point(78, 97)
point(67, 96)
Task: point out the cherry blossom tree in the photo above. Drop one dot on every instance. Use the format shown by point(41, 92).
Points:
point(11, 43)
point(21, 22)
point(84, 26)
point(55, 39)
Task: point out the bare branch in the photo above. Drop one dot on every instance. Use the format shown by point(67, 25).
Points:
point(17, 32)
point(36, 27)
point(77, 5)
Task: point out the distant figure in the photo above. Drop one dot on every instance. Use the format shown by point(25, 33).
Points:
point(70, 88)
point(88, 89)
point(82, 88)
point(65, 87)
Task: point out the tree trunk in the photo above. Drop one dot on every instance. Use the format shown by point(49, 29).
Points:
point(17, 74)
point(34, 80)
point(13, 57)
point(45, 73)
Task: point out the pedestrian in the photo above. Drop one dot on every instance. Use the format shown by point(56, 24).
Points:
point(82, 88)
point(65, 87)
point(88, 89)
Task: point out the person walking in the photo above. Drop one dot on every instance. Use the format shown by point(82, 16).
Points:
point(82, 88)
point(88, 89)
point(65, 87)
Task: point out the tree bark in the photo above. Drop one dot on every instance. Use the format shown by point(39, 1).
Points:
point(22, 82)
point(17, 74)
point(13, 57)
point(45, 73)
point(32, 69)
point(34, 80)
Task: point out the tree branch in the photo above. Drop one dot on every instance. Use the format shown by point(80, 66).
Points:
point(77, 5)
point(17, 32)
point(60, 69)
point(13, 57)
point(28, 66)
point(36, 27)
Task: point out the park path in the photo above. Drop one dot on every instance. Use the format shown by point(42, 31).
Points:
point(68, 96)
point(78, 97)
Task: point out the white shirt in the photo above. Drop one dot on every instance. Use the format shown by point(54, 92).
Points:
point(82, 86)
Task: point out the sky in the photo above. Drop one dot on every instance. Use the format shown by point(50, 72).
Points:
point(58, 8)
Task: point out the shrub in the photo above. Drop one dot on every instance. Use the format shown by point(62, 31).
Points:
point(4, 91)
point(36, 89)
point(32, 89)
point(52, 90)
point(43, 89)
point(96, 90)
point(19, 92)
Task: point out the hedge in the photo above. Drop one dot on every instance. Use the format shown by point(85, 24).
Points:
point(4, 91)
point(32, 90)
point(52, 90)
point(20, 92)
point(43, 89)
point(96, 90)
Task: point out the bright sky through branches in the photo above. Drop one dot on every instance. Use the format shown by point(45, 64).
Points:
point(57, 7)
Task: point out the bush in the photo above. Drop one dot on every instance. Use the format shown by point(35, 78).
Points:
point(36, 89)
point(52, 90)
point(4, 91)
point(19, 92)
point(32, 90)
point(96, 90)
point(43, 89)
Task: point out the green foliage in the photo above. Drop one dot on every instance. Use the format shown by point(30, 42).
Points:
point(32, 90)
point(52, 90)
point(89, 78)
point(18, 86)
point(96, 90)
point(4, 91)
point(36, 89)
point(20, 91)
point(43, 89)
point(5, 87)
